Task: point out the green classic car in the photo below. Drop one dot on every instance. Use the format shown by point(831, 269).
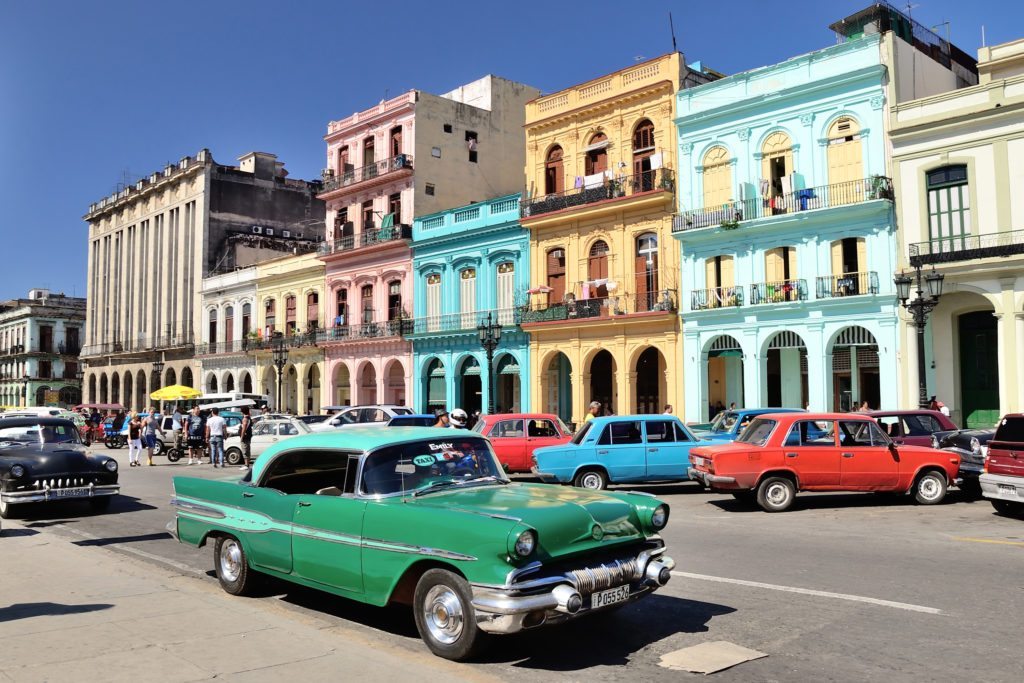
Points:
point(426, 517)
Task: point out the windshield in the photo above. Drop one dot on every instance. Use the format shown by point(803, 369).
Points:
point(300, 426)
point(724, 422)
point(478, 427)
point(59, 433)
point(757, 432)
point(436, 463)
point(577, 438)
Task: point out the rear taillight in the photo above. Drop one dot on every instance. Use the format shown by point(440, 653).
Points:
point(711, 464)
point(984, 467)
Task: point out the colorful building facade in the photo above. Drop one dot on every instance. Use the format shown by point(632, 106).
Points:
point(224, 362)
point(470, 265)
point(958, 160)
point(414, 154)
point(600, 190)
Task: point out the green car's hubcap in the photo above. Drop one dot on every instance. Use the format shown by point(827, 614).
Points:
point(443, 612)
point(230, 561)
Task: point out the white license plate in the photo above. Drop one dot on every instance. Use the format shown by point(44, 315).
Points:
point(699, 461)
point(69, 493)
point(1008, 489)
point(609, 597)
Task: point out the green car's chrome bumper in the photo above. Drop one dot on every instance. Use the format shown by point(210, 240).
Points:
point(552, 599)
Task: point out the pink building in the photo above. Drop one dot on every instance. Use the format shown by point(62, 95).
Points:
point(413, 154)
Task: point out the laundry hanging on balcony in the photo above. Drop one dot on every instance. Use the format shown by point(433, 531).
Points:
point(656, 161)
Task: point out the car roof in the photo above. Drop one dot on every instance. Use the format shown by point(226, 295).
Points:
point(763, 411)
point(411, 416)
point(908, 411)
point(822, 416)
point(355, 439)
point(30, 421)
point(519, 416)
point(608, 419)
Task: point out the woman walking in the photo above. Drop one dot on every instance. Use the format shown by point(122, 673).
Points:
point(134, 440)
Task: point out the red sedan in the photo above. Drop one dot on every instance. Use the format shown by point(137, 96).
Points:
point(514, 436)
point(782, 453)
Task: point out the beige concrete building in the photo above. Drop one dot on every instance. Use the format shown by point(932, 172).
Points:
point(958, 168)
point(152, 243)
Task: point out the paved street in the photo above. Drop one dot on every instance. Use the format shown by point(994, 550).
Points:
point(844, 587)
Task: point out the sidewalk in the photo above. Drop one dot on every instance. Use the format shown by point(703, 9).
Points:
point(73, 613)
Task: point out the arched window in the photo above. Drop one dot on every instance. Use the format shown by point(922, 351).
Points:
point(213, 327)
point(467, 297)
point(845, 157)
point(344, 165)
point(646, 271)
point(270, 316)
point(717, 177)
point(556, 274)
point(290, 321)
point(643, 150)
point(229, 324)
point(395, 300)
point(246, 320)
point(597, 270)
point(367, 302)
point(597, 154)
point(313, 310)
point(368, 157)
point(554, 172)
point(340, 307)
point(396, 141)
point(777, 165)
point(949, 206)
point(849, 267)
point(719, 272)
point(433, 302)
point(506, 287)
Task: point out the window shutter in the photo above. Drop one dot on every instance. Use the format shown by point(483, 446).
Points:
point(773, 265)
point(791, 257)
point(641, 276)
point(728, 272)
point(710, 277)
point(837, 257)
point(862, 255)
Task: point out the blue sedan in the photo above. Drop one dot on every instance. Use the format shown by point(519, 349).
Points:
point(619, 450)
point(729, 424)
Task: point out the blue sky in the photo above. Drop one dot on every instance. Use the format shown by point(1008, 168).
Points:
point(93, 91)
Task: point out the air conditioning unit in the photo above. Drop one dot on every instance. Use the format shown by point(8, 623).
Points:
point(257, 229)
point(297, 235)
point(286, 233)
point(269, 232)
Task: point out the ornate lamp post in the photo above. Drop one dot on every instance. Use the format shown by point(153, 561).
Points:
point(158, 372)
point(919, 308)
point(280, 360)
point(490, 336)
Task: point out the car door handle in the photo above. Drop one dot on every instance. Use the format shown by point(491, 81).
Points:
point(847, 455)
point(792, 455)
point(304, 504)
point(652, 450)
point(248, 495)
point(602, 452)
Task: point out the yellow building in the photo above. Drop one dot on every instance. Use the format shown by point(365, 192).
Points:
point(290, 301)
point(600, 193)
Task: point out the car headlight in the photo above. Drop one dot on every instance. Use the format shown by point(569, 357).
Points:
point(17, 471)
point(111, 465)
point(975, 445)
point(659, 518)
point(935, 441)
point(526, 543)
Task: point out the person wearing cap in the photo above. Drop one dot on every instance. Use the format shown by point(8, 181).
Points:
point(592, 412)
point(442, 420)
point(458, 418)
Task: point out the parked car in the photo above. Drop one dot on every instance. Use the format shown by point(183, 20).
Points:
point(313, 419)
point(972, 447)
point(413, 420)
point(729, 424)
point(357, 415)
point(1003, 479)
point(912, 427)
point(43, 459)
point(515, 437)
point(626, 449)
point(782, 453)
point(264, 435)
point(427, 518)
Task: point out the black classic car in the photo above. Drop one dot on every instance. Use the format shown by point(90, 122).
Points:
point(972, 447)
point(43, 459)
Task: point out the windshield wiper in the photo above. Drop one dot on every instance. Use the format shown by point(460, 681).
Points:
point(435, 486)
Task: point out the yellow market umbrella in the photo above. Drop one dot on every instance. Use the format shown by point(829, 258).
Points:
point(175, 392)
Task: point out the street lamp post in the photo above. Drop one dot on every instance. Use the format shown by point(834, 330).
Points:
point(158, 372)
point(490, 336)
point(919, 308)
point(280, 360)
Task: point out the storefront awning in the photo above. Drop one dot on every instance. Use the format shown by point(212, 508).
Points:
point(509, 369)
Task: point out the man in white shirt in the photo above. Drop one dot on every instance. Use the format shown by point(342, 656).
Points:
point(215, 428)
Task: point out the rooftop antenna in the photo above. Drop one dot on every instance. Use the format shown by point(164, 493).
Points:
point(672, 29)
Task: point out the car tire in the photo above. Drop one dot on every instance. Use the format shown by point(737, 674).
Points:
point(7, 510)
point(775, 494)
point(232, 566)
point(1005, 507)
point(233, 456)
point(445, 618)
point(930, 488)
point(592, 479)
point(100, 504)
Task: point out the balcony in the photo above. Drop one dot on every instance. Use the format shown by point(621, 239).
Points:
point(371, 174)
point(729, 216)
point(778, 292)
point(452, 323)
point(847, 284)
point(659, 180)
point(291, 340)
point(234, 346)
point(340, 334)
point(967, 247)
point(366, 238)
point(716, 297)
point(139, 345)
point(663, 301)
point(13, 350)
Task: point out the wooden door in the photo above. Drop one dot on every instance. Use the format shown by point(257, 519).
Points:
point(845, 156)
point(556, 275)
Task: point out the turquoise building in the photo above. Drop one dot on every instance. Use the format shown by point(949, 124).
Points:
point(786, 226)
point(470, 264)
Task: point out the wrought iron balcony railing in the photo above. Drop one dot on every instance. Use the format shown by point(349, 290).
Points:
point(847, 284)
point(363, 331)
point(377, 169)
point(967, 247)
point(584, 309)
point(716, 297)
point(141, 344)
point(778, 292)
point(449, 323)
point(591, 192)
point(367, 238)
point(731, 214)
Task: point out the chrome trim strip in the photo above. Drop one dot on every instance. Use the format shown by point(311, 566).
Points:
point(493, 515)
point(197, 509)
point(378, 544)
point(511, 584)
point(235, 527)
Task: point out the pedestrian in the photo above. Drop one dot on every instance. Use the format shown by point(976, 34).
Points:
point(215, 428)
point(458, 419)
point(732, 406)
point(245, 432)
point(943, 408)
point(592, 411)
point(864, 407)
point(265, 411)
point(196, 433)
point(442, 420)
point(134, 440)
point(933, 404)
point(668, 410)
point(150, 426)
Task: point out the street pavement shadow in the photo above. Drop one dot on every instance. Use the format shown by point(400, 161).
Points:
point(688, 488)
point(123, 539)
point(26, 610)
point(47, 513)
point(833, 501)
point(11, 533)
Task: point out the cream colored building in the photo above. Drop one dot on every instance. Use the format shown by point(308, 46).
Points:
point(150, 246)
point(223, 361)
point(958, 168)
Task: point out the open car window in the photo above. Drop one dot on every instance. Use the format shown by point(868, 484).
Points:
point(541, 429)
point(812, 433)
point(757, 432)
point(861, 433)
point(660, 431)
point(310, 471)
point(508, 429)
point(435, 464)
